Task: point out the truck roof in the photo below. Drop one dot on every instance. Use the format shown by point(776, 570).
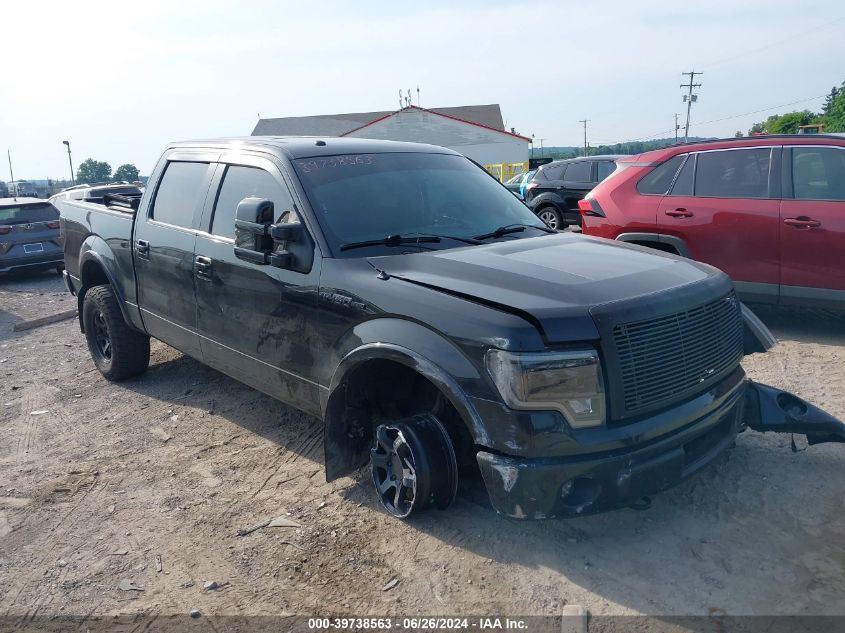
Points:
point(310, 146)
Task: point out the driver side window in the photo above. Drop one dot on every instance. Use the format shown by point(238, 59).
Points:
point(243, 182)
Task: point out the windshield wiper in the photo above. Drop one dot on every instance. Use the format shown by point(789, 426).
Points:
point(512, 228)
point(392, 240)
point(466, 240)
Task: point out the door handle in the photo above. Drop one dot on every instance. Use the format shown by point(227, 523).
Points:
point(142, 247)
point(202, 266)
point(680, 212)
point(802, 222)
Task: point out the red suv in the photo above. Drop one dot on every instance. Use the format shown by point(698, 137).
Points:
point(769, 211)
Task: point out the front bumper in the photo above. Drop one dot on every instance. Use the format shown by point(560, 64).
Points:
point(539, 488)
point(590, 482)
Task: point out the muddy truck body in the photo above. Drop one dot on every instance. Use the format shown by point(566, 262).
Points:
point(438, 328)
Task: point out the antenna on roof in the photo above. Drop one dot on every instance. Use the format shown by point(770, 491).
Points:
point(408, 98)
point(419, 105)
point(12, 173)
point(400, 98)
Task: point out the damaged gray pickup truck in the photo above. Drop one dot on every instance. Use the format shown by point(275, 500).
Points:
point(434, 323)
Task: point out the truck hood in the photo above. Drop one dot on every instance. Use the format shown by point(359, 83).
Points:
point(554, 281)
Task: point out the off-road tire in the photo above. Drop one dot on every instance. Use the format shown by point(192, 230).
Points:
point(118, 351)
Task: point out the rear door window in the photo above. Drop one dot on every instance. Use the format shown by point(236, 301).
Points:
point(244, 182)
point(579, 172)
point(735, 173)
point(179, 193)
point(658, 180)
point(818, 173)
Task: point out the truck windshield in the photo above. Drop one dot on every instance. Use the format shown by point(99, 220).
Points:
point(363, 197)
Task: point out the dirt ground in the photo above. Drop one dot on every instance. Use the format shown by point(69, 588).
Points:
point(99, 481)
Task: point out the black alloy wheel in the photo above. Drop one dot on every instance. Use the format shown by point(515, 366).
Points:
point(102, 338)
point(413, 465)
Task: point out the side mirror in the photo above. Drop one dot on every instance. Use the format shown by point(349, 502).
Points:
point(261, 242)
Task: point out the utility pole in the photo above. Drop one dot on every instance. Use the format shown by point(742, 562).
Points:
point(689, 98)
point(677, 127)
point(12, 174)
point(542, 152)
point(70, 160)
point(584, 121)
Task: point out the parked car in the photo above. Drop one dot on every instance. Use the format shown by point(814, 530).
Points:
point(29, 235)
point(430, 319)
point(517, 183)
point(95, 193)
point(769, 211)
point(554, 191)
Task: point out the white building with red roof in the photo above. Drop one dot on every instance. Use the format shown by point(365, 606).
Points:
point(475, 131)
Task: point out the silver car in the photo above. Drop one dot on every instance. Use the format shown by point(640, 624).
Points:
point(29, 235)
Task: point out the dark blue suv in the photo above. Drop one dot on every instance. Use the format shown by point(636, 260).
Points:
point(29, 235)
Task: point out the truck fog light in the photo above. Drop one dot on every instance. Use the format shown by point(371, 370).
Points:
point(566, 489)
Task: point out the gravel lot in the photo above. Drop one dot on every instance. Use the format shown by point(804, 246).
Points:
point(100, 481)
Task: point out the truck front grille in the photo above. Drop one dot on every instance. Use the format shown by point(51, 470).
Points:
point(668, 357)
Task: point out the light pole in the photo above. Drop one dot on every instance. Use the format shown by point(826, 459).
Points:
point(70, 160)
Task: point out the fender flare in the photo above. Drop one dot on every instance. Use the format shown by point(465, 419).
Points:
point(756, 336)
point(548, 197)
point(423, 366)
point(92, 249)
point(433, 357)
point(670, 240)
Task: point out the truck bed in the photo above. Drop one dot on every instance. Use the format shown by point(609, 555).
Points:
point(105, 230)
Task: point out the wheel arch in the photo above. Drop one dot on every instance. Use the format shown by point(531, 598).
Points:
point(96, 261)
point(346, 442)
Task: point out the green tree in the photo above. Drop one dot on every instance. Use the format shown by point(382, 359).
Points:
point(829, 100)
point(835, 119)
point(126, 172)
point(787, 123)
point(91, 171)
point(757, 128)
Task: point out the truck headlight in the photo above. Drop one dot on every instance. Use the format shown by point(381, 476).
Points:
point(567, 381)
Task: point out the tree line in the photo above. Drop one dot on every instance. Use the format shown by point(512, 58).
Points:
point(91, 171)
point(832, 117)
point(630, 147)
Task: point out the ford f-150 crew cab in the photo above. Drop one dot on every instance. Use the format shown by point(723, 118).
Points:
point(434, 323)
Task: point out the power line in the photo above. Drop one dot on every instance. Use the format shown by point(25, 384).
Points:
point(783, 105)
point(725, 118)
point(789, 40)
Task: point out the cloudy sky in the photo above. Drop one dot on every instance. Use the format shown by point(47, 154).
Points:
point(119, 80)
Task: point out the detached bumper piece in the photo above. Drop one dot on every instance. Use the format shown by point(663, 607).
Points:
point(574, 486)
point(770, 409)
